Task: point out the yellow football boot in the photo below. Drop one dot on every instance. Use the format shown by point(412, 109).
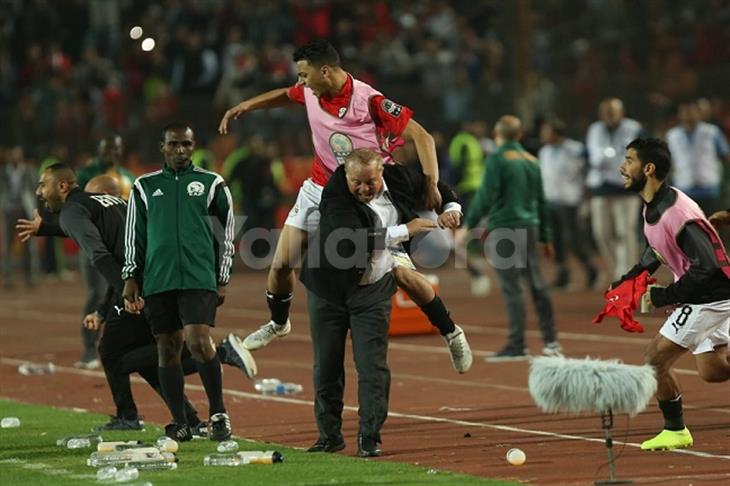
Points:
point(668, 440)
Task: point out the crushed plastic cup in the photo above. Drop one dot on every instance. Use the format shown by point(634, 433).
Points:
point(228, 446)
point(106, 473)
point(126, 474)
point(10, 422)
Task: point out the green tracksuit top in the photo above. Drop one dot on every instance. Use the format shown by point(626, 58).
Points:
point(172, 222)
point(511, 195)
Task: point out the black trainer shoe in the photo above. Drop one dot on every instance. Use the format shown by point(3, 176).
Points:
point(327, 445)
point(367, 447)
point(220, 427)
point(117, 423)
point(178, 432)
point(199, 430)
point(508, 354)
point(232, 353)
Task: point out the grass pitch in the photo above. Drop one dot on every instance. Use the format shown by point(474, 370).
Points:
point(29, 456)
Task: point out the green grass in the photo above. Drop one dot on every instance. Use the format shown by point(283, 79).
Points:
point(29, 456)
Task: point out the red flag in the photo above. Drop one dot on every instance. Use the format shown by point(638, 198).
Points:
point(623, 300)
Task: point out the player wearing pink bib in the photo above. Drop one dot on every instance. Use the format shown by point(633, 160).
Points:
point(344, 114)
point(679, 236)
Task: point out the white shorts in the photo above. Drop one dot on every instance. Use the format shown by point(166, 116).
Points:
point(305, 213)
point(699, 327)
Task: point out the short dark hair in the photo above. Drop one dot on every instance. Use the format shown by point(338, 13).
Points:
point(62, 172)
point(557, 125)
point(176, 125)
point(317, 53)
point(655, 151)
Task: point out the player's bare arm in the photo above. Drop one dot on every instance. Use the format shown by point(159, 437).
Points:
point(271, 99)
point(426, 149)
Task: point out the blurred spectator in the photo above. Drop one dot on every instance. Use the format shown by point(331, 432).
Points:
point(562, 164)
point(614, 211)
point(698, 152)
point(17, 200)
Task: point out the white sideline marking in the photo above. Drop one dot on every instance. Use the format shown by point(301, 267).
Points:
point(45, 468)
point(420, 418)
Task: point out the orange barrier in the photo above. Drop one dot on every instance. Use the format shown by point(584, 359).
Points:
point(406, 317)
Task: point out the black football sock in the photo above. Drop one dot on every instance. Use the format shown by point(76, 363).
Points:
point(439, 316)
point(279, 306)
point(172, 383)
point(210, 375)
point(672, 411)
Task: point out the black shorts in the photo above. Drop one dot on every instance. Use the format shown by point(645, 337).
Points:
point(170, 311)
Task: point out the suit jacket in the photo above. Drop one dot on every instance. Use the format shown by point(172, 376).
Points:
point(340, 249)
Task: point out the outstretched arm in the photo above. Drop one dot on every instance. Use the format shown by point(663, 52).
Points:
point(271, 99)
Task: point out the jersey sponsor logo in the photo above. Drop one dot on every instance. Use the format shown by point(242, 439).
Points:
point(158, 192)
point(107, 200)
point(341, 146)
point(391, 107)
point(196, 188)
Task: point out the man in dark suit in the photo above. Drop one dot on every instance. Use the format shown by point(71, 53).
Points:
point(348, 272)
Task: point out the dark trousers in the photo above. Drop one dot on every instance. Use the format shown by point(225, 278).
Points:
point(366, 315)
point(525, 264)
point(568, 236)
point(127, 346)
point(95, 289)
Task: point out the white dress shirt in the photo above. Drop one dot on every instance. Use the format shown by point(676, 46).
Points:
point(381, 262)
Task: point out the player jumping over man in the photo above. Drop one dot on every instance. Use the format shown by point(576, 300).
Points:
point(344, 114)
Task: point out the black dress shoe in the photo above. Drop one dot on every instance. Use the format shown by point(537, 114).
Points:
point(328, 445)
point(367, 447)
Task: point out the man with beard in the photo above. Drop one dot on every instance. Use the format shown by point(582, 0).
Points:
point(96, 222)
point(679, 236)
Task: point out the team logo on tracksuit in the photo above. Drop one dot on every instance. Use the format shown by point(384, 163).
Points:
point(196, 188)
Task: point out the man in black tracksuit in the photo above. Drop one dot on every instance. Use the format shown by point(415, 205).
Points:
point(96, 223)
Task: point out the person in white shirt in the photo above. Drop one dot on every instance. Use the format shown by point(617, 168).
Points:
point(562, 161)
point(614, 212)
point(698, 151)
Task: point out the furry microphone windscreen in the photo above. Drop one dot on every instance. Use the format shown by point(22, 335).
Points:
point(586, 385)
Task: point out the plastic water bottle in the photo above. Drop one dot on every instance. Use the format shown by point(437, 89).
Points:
point(260, 457)
point(274, 386)
point(10, 422)
point(98, 459)
point(79, 441)
point(267, 386)
point(159, 465)
point(118, 445)
point(106, 472)
point(37, 369)
point(222, 460)
point(126, 474)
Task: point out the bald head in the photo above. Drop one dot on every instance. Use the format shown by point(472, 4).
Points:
point(54, 186)
point(508, 128)
point(104, 184)
point(611, 111)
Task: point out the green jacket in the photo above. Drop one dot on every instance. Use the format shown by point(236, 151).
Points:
point(169, 239)
point(122, 175)
point(511, 195)
point(467, 159)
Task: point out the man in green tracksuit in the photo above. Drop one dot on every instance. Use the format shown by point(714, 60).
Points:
point(512, 199)
point(170, 243)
